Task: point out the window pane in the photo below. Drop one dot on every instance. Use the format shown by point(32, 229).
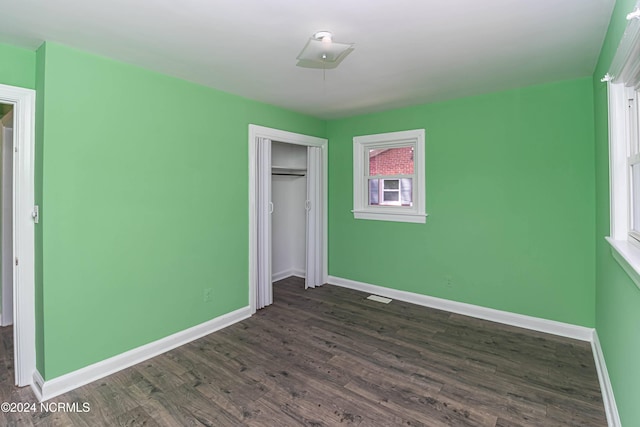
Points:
point(391, 192)
point(635, 197)
point(406, 188)
point(391, 184)
point(373, 192)
point(391, 196)
point(391, 161)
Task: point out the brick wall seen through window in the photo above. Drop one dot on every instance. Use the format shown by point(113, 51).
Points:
point(391, 161)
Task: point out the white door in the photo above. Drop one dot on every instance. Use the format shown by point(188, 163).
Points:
point(313, 275)
point(264, 294)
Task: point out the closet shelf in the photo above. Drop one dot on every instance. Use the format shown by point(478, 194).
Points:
point(281, 170)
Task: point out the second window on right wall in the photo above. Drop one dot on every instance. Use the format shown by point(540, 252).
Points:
point(389, 176)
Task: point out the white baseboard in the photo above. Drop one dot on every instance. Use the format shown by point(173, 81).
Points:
point(37, 385)
point(45, 390)
point(610, 407)
point(287, 273)
point(520, 320)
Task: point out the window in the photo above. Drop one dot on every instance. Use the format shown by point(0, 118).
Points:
point(388, 176)
point(633, 162)
point(624, 151)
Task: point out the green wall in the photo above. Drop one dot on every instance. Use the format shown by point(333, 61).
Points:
point(144, 204)
point(509, 193)
point(40, 125)
point(617, 297)
point(17, 66)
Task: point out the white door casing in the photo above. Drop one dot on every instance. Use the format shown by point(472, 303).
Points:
point(23, 101)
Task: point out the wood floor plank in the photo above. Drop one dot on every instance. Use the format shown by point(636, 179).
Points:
point(496, 401)
point(328, 357)
point(137, 417)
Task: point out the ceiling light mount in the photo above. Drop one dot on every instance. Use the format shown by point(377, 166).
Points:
point(322, 52)
point(323, 36)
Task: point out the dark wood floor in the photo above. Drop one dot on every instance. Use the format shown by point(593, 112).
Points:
point(328, 357)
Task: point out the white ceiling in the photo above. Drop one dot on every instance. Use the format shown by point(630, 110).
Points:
point(406, 51)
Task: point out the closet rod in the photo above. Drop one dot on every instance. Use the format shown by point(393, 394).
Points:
point(287, 174)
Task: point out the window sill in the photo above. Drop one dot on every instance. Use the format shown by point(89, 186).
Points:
point(387, 216)
point(628, 256)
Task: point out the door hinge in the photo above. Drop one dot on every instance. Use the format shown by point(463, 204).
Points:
point(16, 260)
point(36, 214)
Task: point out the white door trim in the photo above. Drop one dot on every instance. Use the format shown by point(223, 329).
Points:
point(24, 104)
point(290, 138)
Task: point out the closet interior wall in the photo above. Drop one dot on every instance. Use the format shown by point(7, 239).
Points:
point(288, 220)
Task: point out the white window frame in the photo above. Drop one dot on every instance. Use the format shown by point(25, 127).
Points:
point(361, 147)
point(623, 86)
point(633, 159)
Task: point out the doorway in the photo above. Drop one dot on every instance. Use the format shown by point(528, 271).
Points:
point(6, 215)
point(21, 102)
point(261, 207)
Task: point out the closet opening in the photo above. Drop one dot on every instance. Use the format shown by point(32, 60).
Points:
point(287, 218)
